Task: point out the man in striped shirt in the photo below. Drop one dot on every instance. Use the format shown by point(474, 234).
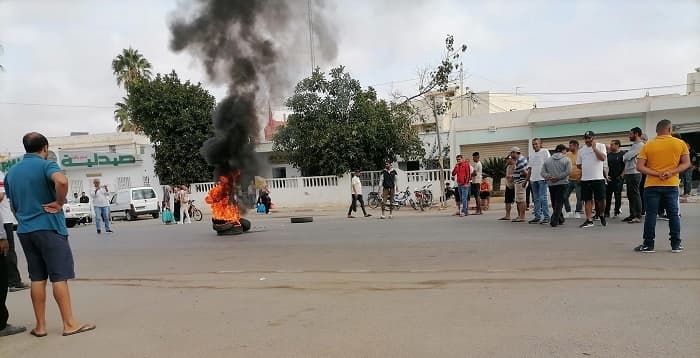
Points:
point(520, 177)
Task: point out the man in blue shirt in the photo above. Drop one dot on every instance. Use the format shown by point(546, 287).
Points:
point(38, 188)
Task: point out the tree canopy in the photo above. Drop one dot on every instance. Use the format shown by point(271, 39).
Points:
point(177, 118)
point(336, 127)
point(129, 67)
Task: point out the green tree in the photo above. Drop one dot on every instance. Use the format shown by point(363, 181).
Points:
point(123, 117)
point(336, 126)
point(177, 118)
point(495, 167)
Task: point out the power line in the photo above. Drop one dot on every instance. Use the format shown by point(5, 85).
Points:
point(57, 105)
point(592, 92)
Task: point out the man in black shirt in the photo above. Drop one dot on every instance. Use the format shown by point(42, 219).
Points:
point(387, 180)
point(84, 199)
point(616, 171)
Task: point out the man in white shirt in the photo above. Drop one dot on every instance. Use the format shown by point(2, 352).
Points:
point(592, 162)
point(14, 281)
point(537, 182)
point(184, 195)
point(356, 192)
point(100, 202)
point(475, 188)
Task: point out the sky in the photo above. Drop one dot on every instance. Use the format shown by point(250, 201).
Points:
point(57, 53)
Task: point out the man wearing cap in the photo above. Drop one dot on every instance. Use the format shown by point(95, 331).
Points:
point(537, 182)
point(591, 160)
point(661, 160)
point(520, 180)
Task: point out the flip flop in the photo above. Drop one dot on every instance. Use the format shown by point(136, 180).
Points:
point(37, 335)
point(504, 218)
point(82, 329)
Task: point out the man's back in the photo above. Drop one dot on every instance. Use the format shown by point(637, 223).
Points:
point(29, 186)
point(662, 154)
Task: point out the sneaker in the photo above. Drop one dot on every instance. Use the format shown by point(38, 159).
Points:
point(544, 222)
point(99, 231)
point(569, 214)
point(677, 249)
point(627, 219)
point(646, 249)
point(587, 223)
point(634, 221)
point(109, 231)
point(663, 217)
point(596, 217)
point(382, 217)
point(368, 215)
point(10, 330)
point(350, 217)
point(577, 215)
point(20, 287)
point(603, 221)
point(534, 221)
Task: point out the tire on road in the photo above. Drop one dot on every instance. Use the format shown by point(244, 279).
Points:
point(301, 219)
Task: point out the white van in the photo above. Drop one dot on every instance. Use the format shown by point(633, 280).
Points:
point(132, 202)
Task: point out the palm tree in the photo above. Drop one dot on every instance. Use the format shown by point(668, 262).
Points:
point(123, 117)
point(130, 66)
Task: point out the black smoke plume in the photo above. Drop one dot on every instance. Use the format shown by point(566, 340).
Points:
point(257, 48)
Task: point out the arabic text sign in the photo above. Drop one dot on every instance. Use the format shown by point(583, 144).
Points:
point(95, 159)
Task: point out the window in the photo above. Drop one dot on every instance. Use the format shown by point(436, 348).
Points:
point(141, 194)
point(280, 172)
point(142, 149)
point(123, 183)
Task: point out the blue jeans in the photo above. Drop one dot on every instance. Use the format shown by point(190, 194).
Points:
point(539, 198)
point(573, 186)
point(665, 197)
point(102, 214)
point(464, 195)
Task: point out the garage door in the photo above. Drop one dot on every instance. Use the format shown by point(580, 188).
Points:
point(605, 138)
point(490, 150)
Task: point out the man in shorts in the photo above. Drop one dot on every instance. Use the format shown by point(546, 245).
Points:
point(510, 187)
point(38, 189)
point(591, 160)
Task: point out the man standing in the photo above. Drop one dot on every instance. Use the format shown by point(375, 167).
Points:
point(356, 193)
point(539, 186)
point(555, 171)
point(184, 195)
point(574, 182)
point(38, 188)
point(101, 204)
point(616, 169)
point(14, 281)
point(462, 175)
point(633, 177)
point(84, 199)
point(387, 180)
point(510, 187)
point(591, 161)
point(520, 180)
point(661, 160)
point(5, 329)
point(475, 188)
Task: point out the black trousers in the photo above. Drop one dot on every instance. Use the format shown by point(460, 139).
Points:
point(4, 315)
point(13, 278)
point(614, 187)
point(176, 211)
point(353, 204)
point(633, 195)
point(557, 193)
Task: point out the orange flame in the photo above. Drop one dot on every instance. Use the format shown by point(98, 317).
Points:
point(219, 199)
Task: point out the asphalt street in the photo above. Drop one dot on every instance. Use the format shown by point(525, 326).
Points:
point(418, 285)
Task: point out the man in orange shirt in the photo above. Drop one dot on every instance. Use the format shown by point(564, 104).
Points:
point(661, 159)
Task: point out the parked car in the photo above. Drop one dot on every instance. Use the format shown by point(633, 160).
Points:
point(132, 202)
point(77, 213)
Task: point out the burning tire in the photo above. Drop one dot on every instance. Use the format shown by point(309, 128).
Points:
point(302, 219)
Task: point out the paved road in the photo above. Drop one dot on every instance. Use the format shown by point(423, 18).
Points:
point(419, 285)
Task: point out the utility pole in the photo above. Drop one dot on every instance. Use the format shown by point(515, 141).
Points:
point(311, 37)
point(461, 89)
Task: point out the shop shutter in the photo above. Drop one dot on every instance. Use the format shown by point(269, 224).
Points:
point(490, 150)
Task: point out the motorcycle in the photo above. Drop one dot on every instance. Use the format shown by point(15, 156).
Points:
point(402, 198)
point(424, 197)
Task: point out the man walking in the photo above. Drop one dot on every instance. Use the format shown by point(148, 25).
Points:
point(661, 159)
point(555, 171)
point(520, 180)
point(574, 182)
point(616, 169)
point(539, 186)
point(476, 177)
point(100, 202)
point(356, 193)
point(591, 161)
point(38, 188)
point(462, 175)
point(387, 180)
point(14, 281)
point(184, 195)
point(633, 177)
point(5, 329)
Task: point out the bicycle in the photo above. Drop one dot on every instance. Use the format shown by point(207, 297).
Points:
point(195, 213)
